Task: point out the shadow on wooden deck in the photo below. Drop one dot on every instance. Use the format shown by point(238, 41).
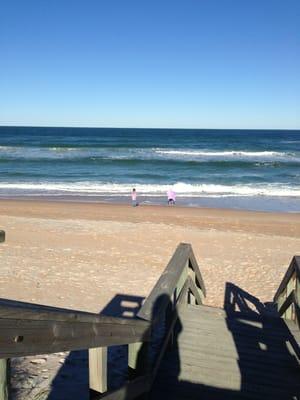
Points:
point(260, 363)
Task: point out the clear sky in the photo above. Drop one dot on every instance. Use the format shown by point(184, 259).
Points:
point(166, 63)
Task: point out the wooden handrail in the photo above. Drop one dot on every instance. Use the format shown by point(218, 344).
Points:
point(11, 309)
point(162, 292)
point(26, 330)
point(293, 267)
point(287, 295)
point(31, 329)
point(291, 299)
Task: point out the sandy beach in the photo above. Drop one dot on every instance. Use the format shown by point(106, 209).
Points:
point(81, 255)
point(89, 256)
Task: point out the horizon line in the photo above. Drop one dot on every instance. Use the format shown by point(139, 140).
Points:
point(138, 128)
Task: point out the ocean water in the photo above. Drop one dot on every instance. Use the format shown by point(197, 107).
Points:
point(247, 169)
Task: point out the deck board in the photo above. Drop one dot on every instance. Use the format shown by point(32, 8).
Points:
point(229, 356)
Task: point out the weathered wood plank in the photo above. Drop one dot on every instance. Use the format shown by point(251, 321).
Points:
point(254, 321)
point(133, 351)
point(229, 351)
point(293, 267)
point(131, 390)
point(194, 265)
point(195, 291)
point(180, 283)
point(291, 285)
point(165, 286)
point(98, 369)
point(163, 290)
point(286, 306)
point(231, 373)
point(28, 337)
point(10, 309)
point(298, 290)
point(255, 327)
point(228, 338)
point(218, 360)
point(208, 309)
point(187, 351)
point(2, 236)
point(4, 379)
point(190, 389)
point(203, 312)
point(138, 359)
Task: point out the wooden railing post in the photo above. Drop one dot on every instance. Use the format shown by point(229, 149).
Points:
point(4, 363)
point(191, 297)
point(297, 294)
point(98, 370)
point(4, 379)
point(138, 361)
point(168, 322)
point(287, 296)
point(289, 288)
point(2, 236)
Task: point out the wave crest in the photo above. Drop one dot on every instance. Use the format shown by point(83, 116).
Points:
point(123, 189)
point(225, 153)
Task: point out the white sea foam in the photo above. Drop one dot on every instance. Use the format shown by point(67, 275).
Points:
point(182, 189)
point(232, 153)
point(115, 153)
point(37, 153)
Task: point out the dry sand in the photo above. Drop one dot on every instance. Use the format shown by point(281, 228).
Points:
point(82, 256)
point(78, 255)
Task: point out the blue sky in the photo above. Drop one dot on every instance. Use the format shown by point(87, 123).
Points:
point(189, 64)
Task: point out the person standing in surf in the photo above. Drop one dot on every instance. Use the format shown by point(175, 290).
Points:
point(134, 198)
point(171, 197)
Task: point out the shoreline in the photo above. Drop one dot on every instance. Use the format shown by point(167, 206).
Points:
point(276, 223)
point(81, 255)
point(84, 255)
point(290, 205)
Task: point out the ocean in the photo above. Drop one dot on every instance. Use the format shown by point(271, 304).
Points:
point(243, 169)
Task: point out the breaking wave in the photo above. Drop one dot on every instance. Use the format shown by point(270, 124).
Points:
point(182, 189)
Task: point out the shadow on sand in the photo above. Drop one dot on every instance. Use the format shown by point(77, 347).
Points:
point(71, 381)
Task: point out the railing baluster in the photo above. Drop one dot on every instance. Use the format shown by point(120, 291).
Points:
point(297, 295)
point(4, 379)
point(138, 362)
point(4, 363)
point(287, 295)
point(289, 288)
point(191, 297)
point(2, 236)
point(181, 282)
point(98, 370)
